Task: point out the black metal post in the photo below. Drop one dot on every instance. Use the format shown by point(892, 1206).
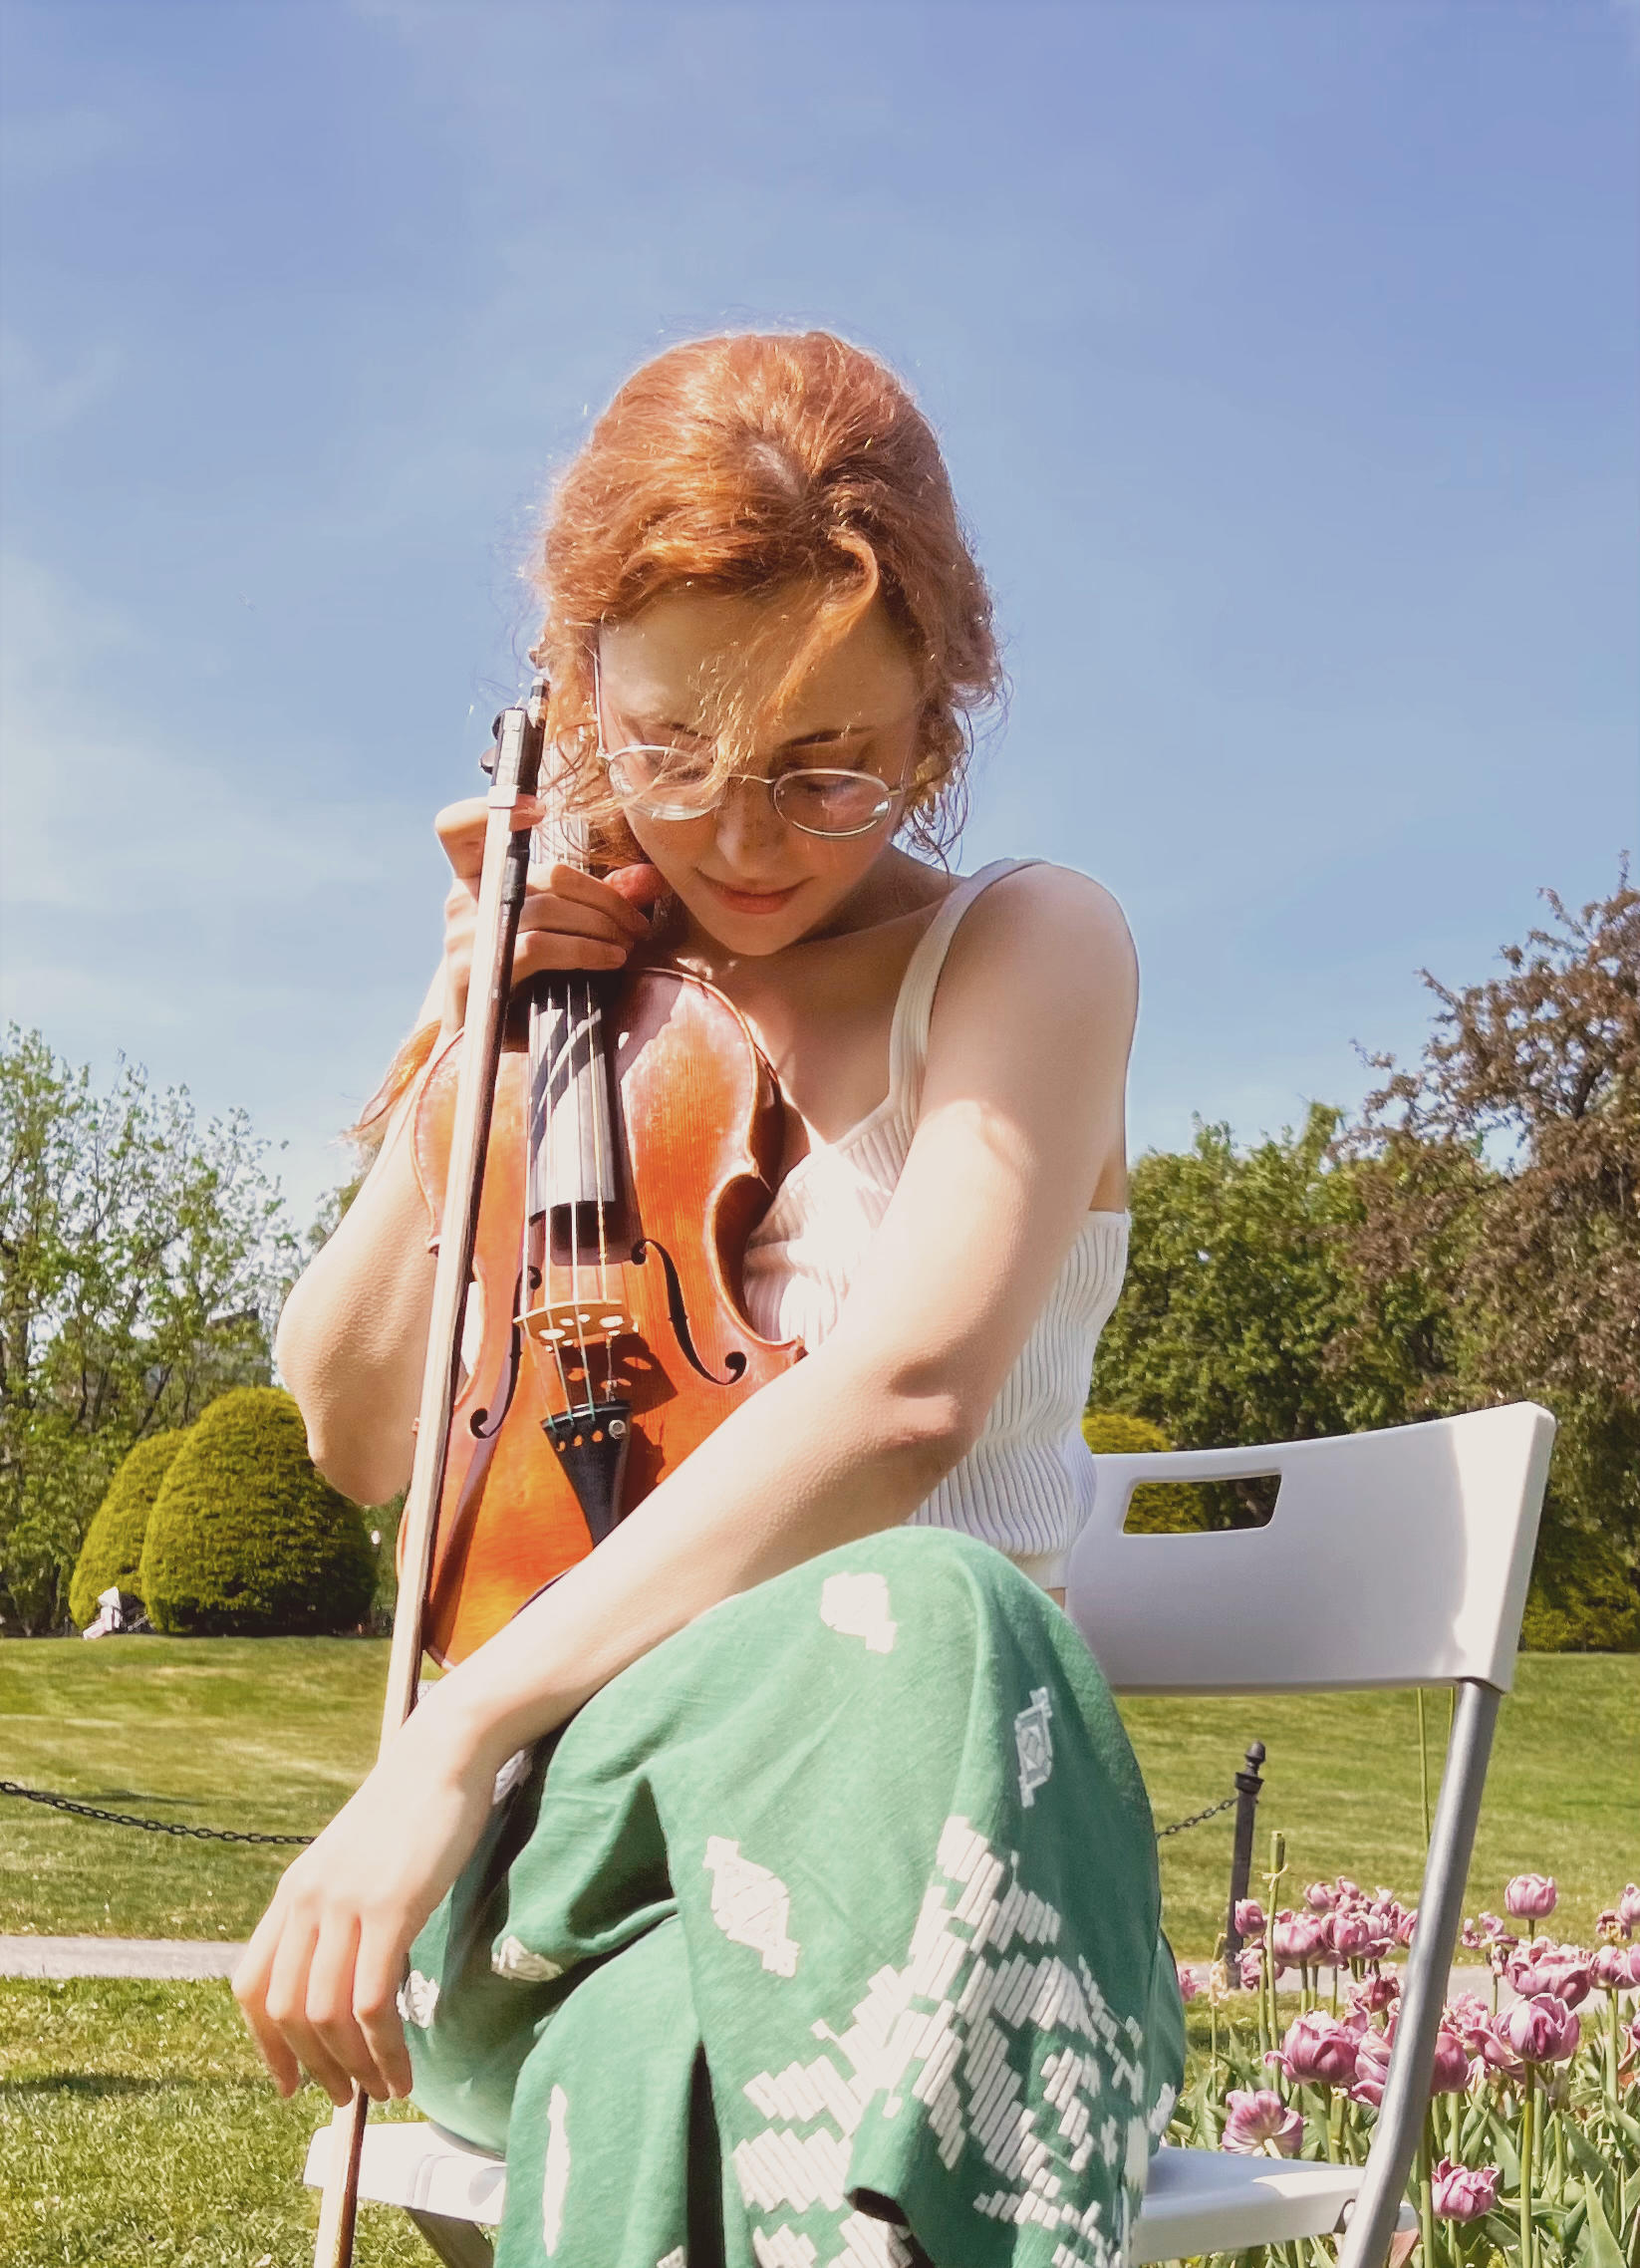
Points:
point(1248, 1786)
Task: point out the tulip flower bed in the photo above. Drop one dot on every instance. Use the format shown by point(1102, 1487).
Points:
point(1531, 2141)
point(1531, 2152)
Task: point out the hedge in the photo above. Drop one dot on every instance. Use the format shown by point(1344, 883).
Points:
point(246, 1539)
point(1582, 1597)
point(1159, 1508)
point(113, 1549)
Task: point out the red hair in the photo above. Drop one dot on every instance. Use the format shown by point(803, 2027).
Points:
point(751, 462)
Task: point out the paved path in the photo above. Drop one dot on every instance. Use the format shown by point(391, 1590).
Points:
point(117, 1958)
point(198, 1957)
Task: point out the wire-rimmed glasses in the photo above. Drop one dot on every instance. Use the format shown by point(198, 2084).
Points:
point(680, 782)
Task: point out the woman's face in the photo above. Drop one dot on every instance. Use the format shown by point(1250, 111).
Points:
point(747, 878)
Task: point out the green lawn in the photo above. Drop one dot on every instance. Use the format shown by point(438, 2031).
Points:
point(273, 1733)
point(136, 2128)
point(134, 2125)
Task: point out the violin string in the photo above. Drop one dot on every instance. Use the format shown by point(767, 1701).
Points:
point(549, 1183)
point(597, 1168)
point(579, 1076)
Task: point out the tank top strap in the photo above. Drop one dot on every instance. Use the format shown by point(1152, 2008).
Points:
point(914, 1010)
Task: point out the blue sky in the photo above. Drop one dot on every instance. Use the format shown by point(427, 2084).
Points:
point(1286, 356)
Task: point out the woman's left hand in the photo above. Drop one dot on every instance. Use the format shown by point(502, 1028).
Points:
point(318, 1982)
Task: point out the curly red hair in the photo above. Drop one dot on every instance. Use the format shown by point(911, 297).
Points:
point(771, 462)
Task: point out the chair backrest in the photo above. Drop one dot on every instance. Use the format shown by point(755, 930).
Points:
point(1391, 1559)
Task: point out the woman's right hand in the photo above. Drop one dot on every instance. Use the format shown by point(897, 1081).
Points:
point(569, 919)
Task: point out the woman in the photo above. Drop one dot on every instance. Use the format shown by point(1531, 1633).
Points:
point(823, 1924)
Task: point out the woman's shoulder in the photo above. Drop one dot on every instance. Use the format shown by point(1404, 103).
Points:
point(1049, 947)
point(1038, 905)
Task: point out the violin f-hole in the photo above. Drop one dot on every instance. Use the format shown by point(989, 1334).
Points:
point(734, 1362)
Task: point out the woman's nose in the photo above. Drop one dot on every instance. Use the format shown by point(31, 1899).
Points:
point(747, 822)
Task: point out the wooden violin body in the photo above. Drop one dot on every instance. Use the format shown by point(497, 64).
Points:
point(580, 1328)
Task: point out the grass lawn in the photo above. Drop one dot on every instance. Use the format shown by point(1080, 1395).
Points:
point(135, 2127)
point(133, 2124)
point(273, 1733)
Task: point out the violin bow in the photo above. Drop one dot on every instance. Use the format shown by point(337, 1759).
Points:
point(502, 880)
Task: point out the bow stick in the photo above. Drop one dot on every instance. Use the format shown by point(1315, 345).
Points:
point(501, 886)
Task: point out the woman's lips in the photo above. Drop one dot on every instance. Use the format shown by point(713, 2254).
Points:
point(751, 901)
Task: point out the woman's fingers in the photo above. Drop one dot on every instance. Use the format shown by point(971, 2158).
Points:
point(639, 884)
point(376, 1971)
point(329, 2004)
point(250, 1985)
point(572, 890)
point(460, 828)
point(286, 2002)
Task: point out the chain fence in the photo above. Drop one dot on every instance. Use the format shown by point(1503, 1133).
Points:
point(238, 1835)
point(148, 1827)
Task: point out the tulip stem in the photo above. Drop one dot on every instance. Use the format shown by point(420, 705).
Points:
point(1424, 1765)
point(1426, 2193)
point(1528, 2121)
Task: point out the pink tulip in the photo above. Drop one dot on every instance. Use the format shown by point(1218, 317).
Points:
point(1463, 2193)
point(1489, 2046)
point(1543, 1966)
point(1617, 1968)
point(1318, 2049)
point(1540, 2030)
point(1377, 1993)
point(1472, 1935)
point(1348, 1889)
point(1406, 1926)
point(1188, 1986)
point(1628, 1908)
point(1466, 2014)
point(1300, 1940)
point(1451, 2072)
point(1531, 1897)
point(1249, 1918)
point(1608, 1927)
point(1372, 2067)
point(1320, 1898)
point(1252, 1969)
point(1493, 1932)
point(1259, 2124)
point(1350, 1933)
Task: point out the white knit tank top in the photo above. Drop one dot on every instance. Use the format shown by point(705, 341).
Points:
point(1026, 1485)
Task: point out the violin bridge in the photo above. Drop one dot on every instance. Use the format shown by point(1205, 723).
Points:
point(570, 1323)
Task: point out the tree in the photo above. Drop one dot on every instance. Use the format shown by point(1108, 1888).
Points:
point(141, 1261)
point(1538, 1071)
point(1239, 1291)
point(245, 1538)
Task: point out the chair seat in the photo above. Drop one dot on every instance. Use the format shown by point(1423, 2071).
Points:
point(1213, 2201)
point(1198, 2200)
point(414, 2163)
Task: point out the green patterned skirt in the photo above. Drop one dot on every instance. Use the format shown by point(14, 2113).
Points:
point(825, 1933)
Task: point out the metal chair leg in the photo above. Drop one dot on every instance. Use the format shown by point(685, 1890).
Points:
point(1440, 1911)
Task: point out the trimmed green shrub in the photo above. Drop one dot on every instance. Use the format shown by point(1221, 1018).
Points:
point(113, 1549)
point(1582, 1597)
point(1159, 1508)
point(246, 1539)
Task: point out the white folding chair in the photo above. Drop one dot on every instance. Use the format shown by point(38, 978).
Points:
point(1390, 1558)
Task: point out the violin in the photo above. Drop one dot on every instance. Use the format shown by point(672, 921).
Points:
point(634, 1140)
